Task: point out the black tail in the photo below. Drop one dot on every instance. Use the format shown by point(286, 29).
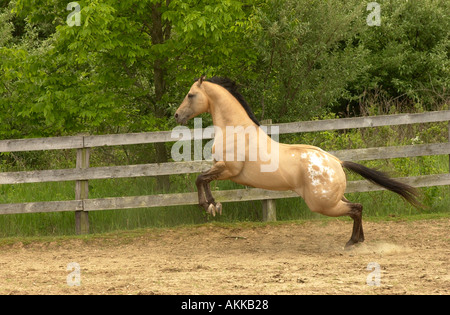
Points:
point(409, 193)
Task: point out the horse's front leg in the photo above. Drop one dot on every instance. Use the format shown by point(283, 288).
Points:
point(213, 205)
point(205, 198)
point(201, 193)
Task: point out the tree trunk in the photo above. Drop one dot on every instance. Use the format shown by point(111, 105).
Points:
point(159, 33)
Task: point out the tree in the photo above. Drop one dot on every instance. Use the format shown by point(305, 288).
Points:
point(123, 69)
point(409, 54)
point(308, 55)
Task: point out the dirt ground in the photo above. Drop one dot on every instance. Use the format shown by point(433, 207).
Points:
point(287, 258)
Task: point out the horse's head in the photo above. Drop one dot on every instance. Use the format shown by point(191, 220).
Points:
point(195, 103)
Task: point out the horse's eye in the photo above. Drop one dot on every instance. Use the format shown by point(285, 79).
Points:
point(191, 95)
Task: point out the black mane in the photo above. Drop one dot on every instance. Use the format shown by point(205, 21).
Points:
point(231, 87)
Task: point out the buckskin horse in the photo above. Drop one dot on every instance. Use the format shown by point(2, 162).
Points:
point(315, 175)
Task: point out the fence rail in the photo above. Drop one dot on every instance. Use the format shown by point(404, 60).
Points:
point(83, 173)
point(79, 142)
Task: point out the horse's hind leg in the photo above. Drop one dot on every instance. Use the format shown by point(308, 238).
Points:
point(342, 208)
point(355, 213)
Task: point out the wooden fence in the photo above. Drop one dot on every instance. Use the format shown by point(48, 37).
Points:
point(83, 173)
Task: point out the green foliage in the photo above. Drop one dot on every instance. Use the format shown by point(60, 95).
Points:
point(308, 56)
point(129, 64)
point(409, 52)
point(101, 75)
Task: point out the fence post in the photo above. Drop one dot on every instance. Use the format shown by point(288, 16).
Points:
point(269, 210)
point(269, 207)
point(82, 192)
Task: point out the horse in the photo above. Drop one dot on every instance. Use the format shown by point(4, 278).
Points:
point(314, 174)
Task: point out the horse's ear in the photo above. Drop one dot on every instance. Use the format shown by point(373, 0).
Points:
point(200, 81)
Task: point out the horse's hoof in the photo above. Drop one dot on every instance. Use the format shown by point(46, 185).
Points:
point(350, 245)
point(219, 208)
point(211, 210)
point(353, 244)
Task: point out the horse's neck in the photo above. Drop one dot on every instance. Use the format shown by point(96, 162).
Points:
point(227, 111)
point(223, 118)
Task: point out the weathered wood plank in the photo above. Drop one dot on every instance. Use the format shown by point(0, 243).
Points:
point(76, 142)
point(48, 206)
point(294, 127)
point(41, 176)
point(160, 200)
point(364, 122)
point(244, 194)
point(393, 152)
point(41, 144)
point(179, 199)
point(172, 168)
point(104, 172)
point(129, 138)
point(415, 181)
point(191, 198)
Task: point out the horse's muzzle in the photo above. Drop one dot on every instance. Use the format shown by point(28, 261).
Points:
point(180, 120)
point(181, 117)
